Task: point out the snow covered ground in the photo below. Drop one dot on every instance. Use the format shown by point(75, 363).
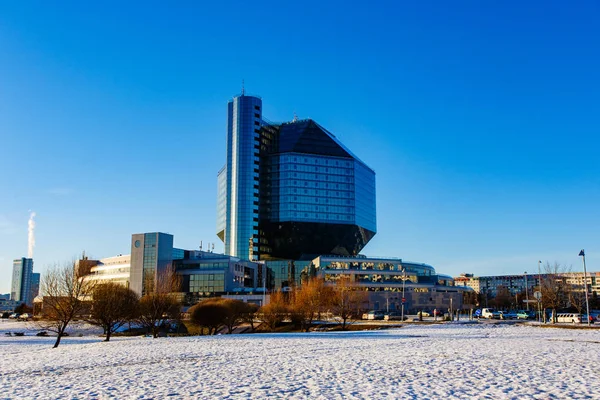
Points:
point(492, 361)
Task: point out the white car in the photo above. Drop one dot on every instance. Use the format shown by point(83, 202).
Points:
point(24, 317)
point(490, 313)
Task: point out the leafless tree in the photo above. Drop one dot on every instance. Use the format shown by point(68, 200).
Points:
point(310, 301)
point(347, 299)
point(65, 295)
point(503, 297)
point(554, 287)
point(161, 301)
point(576, 297)
point(275, 312)
point(113, 305)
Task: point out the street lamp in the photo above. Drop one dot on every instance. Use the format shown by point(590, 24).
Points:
point(539, 300)
point(403, 286)
point(526, 292)
point(587, 303)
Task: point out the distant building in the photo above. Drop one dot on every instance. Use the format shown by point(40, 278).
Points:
point(114, 269)
point(35, 286)
point(201, 274)
point(518, 284)
point(21, 280)
point(389, 280)
point(151, 256)
point(7, 305)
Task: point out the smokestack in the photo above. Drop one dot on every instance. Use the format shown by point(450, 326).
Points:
point(31, 235)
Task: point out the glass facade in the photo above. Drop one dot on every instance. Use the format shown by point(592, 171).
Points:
point(312, 188)
point(207, 283)
point(285, 273)
point(291, 190)
point(364, 197)
point(151, 255)
point(238, 193)
point(380, 273)
point(21, 280)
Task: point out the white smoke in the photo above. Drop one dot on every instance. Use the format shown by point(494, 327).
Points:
point(31, 235)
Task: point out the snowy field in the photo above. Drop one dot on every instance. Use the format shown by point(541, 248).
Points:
point(489, 361)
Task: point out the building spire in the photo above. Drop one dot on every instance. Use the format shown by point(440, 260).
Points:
point(243, 87)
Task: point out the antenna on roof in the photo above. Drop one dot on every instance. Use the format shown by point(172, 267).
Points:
point(242, 87)
point(201, 245)
point(295, 117)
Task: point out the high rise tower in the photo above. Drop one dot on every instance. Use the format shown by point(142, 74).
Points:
point(238, 181)
point(21, 280)
point(291, 190)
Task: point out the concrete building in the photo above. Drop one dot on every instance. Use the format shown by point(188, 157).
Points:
point(21, 281)
point(35, 286)
point(151, 256)
point(389, 280)
point(201, 274)
point(114, 269)
point(521, 284)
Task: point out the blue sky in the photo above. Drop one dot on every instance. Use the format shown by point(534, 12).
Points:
point(481, 120)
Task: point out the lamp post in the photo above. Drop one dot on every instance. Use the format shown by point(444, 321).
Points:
point(539, 300)
point(587, 303)
point(526, 292)
point(403, 298)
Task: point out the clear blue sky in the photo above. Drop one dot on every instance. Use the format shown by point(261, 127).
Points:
point(481, 119)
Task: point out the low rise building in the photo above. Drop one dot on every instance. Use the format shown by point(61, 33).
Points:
point(525, 283)
point(391, 281)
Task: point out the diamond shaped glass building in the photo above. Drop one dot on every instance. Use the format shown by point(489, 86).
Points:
point(291, 190)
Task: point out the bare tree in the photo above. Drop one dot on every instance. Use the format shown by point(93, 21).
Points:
point(310, 301)
point(66, 295)
point(576, 297)
point(113, 305)
point(503, 297)
point(160, 301)
point(275, 312)
point(554, 287)
point(347, 299)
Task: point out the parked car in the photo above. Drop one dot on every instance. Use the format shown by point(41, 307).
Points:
point(438, 313)
point(569, 317)
point(523, 314)
point(373, 315)
point(585, 317)
point(423, 314)
point(508, 315)
point(490, 313)
point(14, 315)
point(394, 316)
point(24, 317)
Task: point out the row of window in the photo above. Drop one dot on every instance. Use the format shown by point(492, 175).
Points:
point(310, 168)
point(314, 160)
point(311, 207)
point(298, 185)
point(314, 200)
point(311, 216)
point(321, 193)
